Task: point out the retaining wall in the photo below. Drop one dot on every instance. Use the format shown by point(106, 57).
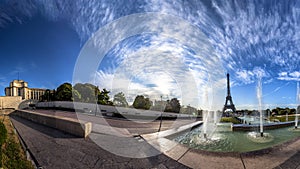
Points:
point(68, 125)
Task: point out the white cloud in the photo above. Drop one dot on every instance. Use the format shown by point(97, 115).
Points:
point(165, 66)
point(245, 76)
point(293, 76)
point(283, 74)
point(259, 72)
point(250, 76)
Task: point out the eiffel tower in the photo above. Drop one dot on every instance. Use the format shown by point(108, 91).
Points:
point(228, 99)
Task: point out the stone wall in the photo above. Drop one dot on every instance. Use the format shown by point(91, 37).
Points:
point(71, 126)
point(10, 102)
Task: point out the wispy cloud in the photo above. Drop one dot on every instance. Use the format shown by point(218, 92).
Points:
point(168, 62)
point(293, 76)
point(250, 76)
point(244, 34)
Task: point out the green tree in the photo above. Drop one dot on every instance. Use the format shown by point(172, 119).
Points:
point(103, 97)
point(275, 111)
point(148, 103)
point(64, 92)
point(86, 92)
point(293, 111)
point(76, 95)
point(49, 95)
point(173, 105)
point(140, 102)
point(46, 95)
point(120, 100)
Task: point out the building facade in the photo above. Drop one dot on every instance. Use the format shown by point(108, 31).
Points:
point(20, 88)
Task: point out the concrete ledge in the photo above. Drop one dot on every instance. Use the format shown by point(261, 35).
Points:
point(68, 125)
point(172, 131)
point(170, 148)
point(246, 127)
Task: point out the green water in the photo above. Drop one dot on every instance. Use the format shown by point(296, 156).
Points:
point(225, 140)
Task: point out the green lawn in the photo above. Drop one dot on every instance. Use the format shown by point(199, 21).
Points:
point(12, 155)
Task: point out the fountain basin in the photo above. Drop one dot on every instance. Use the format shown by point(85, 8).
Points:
point(267, 126)
point(225, 140)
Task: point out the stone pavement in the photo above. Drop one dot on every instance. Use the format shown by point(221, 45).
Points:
point(55, 149)
point(292, 162)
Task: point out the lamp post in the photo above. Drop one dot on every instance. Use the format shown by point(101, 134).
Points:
point(48, 93)
point(96, 94)
point(160, 114)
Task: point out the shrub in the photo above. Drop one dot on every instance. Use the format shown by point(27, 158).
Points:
point(13, 156)
point(3, 135)
point(229, 120)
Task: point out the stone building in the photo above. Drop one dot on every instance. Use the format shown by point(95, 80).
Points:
point(20, 88)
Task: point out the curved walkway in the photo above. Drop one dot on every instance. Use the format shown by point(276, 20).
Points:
point(54, 149)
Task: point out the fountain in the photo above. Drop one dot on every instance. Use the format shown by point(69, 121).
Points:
point(205, 114)
point(225, 140)
point(210, 118)
point(220, 137)
point(215, 117)
point(296, 129)
point(260, 137)
point(259, 95)
point(296, 117)
point(297, 111)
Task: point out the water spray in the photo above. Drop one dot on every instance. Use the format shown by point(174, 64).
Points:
point(297, 111)
point(205, 115)
point(215, 117)
point(259, 96)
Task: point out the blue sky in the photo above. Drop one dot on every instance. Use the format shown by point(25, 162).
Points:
point(42, 41)
point(43, 52)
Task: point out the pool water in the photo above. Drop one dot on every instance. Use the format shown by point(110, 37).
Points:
point(225, 140)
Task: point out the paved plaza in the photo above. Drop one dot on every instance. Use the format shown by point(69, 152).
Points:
point(55, 149)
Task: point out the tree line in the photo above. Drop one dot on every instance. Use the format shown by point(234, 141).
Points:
point(90, 93)
point(283, 111)
point(87, 93)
